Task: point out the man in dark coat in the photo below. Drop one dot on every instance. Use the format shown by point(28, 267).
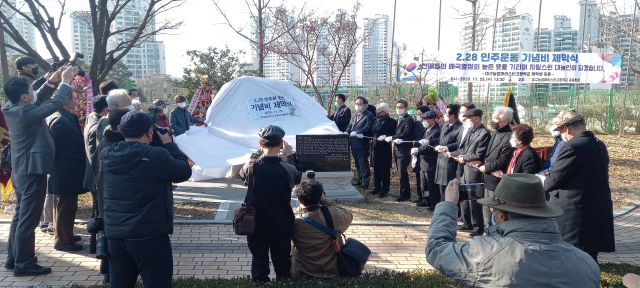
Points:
point(100, 109)
point(418, 131)
point(498, 155)
point(429, 161)
point(370, 108)
point(342, 115)
point(401, 150)
point(579, 184)
point(446, 167)
point(381, 151)
point(359, 127)
point(65, 181)
point(474, 149)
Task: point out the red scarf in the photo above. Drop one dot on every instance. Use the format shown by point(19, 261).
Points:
point(514, 159)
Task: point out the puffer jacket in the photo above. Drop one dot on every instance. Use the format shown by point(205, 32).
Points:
point(523, 252)
point(137, 178)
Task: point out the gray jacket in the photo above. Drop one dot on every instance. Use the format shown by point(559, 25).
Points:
point(524, 252)
point(32, 147)
point(102, 124)
point(90, 145)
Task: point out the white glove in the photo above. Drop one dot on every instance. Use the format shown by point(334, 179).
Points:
point(345, 133)
point(353, 134)
point(359, 135)
point(398, 141)
point(414, 150)
point(381, 138)
point(424, 142)
point(388, 139)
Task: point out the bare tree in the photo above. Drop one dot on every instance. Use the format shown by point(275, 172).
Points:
point(423, 73)
point(264, 31)
point(101, 20)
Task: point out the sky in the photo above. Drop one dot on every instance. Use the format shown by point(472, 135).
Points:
point(416, 23)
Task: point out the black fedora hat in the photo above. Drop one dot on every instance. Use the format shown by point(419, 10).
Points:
point(522, 194)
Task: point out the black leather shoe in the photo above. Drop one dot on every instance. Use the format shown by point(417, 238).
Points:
point(374, 192)
point(383, 194)
point(431, 209)
point(419, 200)
point(401, 198)
point(68, 247)
point(465, 228)
point(357, 183)
point(105, 280)
point(11, 264)
point(423, 204)
point(35, 270)
point(76, 238)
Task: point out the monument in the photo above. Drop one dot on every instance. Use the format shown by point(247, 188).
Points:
point(329, 157)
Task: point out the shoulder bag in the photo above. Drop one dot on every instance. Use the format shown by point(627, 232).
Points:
point(352, 256)
point(5, 158)
point(244, 219)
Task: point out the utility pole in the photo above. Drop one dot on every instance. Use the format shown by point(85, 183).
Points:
point(624, 101)
point(584, 24)
point(474, 24)
point(393, 35)
point(3, 58)
point(493, 43)
point(533, 90)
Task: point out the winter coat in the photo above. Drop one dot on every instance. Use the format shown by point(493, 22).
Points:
point(428, 155)
point(446, 169)
point(181, 120)
point(70, 161)
point(528, 162)
point(498, 156)
point(404, 131)
point(523, 252)
point(361, 126)
point(109, 138)
point(90, 144)
point(548, 166)
point(579, 184)
point(137, 179)
point(475, 149)
point(381, 155)
point(342, 117)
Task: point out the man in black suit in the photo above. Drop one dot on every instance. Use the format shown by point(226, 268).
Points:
point(474, 149)
point(466, 125)
point(381, 151)
point(498, 155)
point(446, 167)
point(359, 127)
point(342, 116)
point(428, 162)
point(370, 108)
point(401, 150)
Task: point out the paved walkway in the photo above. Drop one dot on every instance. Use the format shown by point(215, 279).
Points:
point(215, 251)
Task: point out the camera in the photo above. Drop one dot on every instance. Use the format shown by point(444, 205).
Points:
point(155, 141)
point(154, 112)
point(57, 65)
point(72, 63)
point(471, 191)
point(311, 175)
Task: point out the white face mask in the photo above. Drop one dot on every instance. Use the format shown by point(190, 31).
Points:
point(400, 111)
point(554, 133)
point(462, 118)
point(418, 118)
point(446, 118)
point(182, 105)
point(425, 125)
point(131, 107)
point(513, 142)
point(336, 104)
point(358, 108)
point(35, 98)
point(136, 98)
point(165, 111)
point(468, 124)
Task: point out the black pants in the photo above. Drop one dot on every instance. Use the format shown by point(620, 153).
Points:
point(428, 184)
point(419, 187)
point(402, 164)
point(361, 159)
point(280, 248)
point(151, 258)
point(472, 215)
point(381, 179)
point(64, 214)
point(30, 194)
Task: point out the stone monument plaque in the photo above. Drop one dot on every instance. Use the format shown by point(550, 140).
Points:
point(324, 153)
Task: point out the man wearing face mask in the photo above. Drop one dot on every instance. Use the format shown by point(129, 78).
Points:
point(163, 120)
point(498, 155)
point(117, 99)
point(180, 118)
point(418, 131)
point(559, 142)
point(381, 153)
point(342, 115)
point(429, 161)
point(133, 93)
point(462, 139)
point(28, 69)
point(359, 127)
point(579, 184)
point(474, 149)
point(65, 183)
point(401, 150)
point(32, 156)
point(446, 167)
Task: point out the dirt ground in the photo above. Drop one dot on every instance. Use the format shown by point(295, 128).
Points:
point(624, 179)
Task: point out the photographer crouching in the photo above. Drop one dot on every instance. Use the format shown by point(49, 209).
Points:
point(138, 213)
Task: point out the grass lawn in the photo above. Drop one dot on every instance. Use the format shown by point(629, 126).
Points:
point(611, 277)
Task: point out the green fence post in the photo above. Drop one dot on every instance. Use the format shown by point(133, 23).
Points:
point(571, 98)
point(453, 95)
point(610, 111)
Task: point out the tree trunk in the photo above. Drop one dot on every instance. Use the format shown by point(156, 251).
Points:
point(260, 40)
point(3, 60)
point(638, 122)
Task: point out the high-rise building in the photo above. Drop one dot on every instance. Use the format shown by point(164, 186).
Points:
point(143, 60)
point(25, 28)
point(514, 32)
point(323, 73)
point(376, 51)
point(613, 23)
point(274, 66)
point(562, 38)
point(589, 25)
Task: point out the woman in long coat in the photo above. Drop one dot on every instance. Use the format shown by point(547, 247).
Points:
point(381, 155)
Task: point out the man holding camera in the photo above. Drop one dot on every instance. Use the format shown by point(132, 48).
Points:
point(138, 203)
point(523, 248)
point(32, 156)
point(273, 182)
point(181, 119)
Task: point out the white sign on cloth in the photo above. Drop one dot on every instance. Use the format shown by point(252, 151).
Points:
point(521, 66)
point(232, 132)
point(271, 106)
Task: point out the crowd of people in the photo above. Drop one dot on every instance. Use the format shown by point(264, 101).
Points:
point(557, 214)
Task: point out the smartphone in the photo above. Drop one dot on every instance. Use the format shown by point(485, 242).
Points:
point(471, 191)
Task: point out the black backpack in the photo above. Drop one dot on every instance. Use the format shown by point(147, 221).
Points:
point(352, 256)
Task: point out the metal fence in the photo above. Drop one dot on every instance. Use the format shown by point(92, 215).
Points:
point(601, 107)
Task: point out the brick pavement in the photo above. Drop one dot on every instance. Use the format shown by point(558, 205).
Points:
point(209, 251)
